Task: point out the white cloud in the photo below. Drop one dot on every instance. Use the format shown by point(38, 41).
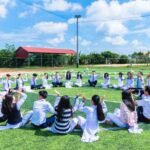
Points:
point(51, 27)
point(110, 16)
point(136, 43)
point(118, 40)
point(61, 5)
point(28, 12)
point(55, 41)
point(145, 31)
point(82, 42)
point(4, 5)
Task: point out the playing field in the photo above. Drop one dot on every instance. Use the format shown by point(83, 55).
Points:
point(111, 138)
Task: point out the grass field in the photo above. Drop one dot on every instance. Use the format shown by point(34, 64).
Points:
point(29, 139)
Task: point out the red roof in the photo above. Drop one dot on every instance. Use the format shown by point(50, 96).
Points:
point(22, 52)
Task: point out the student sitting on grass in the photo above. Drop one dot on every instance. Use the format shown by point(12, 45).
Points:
point(79, 82)
point(126, 116)
point(45, 81)
point(93, 79)
point(68, 83)
point(7, 83)
point(94, 114)
point(106, 83)
point(64, 121)
point(20, 83)
point(40, 109)
point(143, 109)
point(2, 116)
point(11, 108)
point(57, 80)
point(129, 81)
point(34, 84)
point(120, 79)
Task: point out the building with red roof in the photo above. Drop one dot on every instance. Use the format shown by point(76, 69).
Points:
point(23, 52)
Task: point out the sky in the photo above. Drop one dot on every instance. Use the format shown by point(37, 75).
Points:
point(121, 26)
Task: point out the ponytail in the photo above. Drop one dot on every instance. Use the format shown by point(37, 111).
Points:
point(100, 113)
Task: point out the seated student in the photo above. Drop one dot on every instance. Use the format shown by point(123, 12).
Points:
point(57, 80)
point(45, 83)
point(68, 83)
point(79, 82)
point(20, 83)
point(93, 79)
point(126, 116)
point(143, 109)
point(129, 81)
point(120, 79)
point(64, 123)
point(139, 81)
point(106, 81)
point(2, 116)
point(11, 108)
point(34, 84)
point(148, 80)
point(94, 114)
point(7, 83)
point(40, 109)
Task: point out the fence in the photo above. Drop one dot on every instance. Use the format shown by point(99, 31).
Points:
point(59, 61)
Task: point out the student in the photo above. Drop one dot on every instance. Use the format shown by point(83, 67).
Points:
point(64, 121)
point(45, 81)
point(120, 79)
point(129, 81)
point(40, 109)
point(57, 80)
point(11, 108)
point(126, 117)
point(20, 83)
point(7, 83)
point(94, 114)
point(79, 80)
point(143, 109)
point(148, 80)
point(68, 83)
point(106, 81)
point(34, 84)
point(93, 79)
point(2, 116)
point(139, 81)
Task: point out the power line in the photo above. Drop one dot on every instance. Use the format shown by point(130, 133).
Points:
point(35, 5)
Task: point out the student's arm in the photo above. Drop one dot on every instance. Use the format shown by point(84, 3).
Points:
point(76, 104)
point(140, 102)
point(56, 101)
point(104, 106)
point(21, 100)
point(50, 108)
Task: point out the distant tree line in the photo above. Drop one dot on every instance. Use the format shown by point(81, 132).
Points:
point(8, 59)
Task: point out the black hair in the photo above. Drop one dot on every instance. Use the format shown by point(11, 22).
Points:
point(106, 75)
point(128, 100)
point(147, 89)
point(8, 75)
point(130, 74)
point(64, 103)
point(96, 101)
point(46, 74)
point(7, 104)
point(34, 74)
point(141, 73)
point(43, 93)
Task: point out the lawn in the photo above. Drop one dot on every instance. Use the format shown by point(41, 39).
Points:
point(29, 139)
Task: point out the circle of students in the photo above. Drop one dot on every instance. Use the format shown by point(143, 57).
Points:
point(134, 108)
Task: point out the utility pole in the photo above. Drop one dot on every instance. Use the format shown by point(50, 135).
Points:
point(77, 40)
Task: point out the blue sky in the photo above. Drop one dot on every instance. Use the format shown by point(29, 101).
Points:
point(121, 26)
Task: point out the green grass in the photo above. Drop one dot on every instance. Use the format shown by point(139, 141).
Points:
point(30, 139)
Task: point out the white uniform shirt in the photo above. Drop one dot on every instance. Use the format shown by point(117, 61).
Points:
point(148, 82)
point(40, 108)
point(6, 84)
point(130, 83)
point(145, 103)
point(120, 81)
point(93, 78)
